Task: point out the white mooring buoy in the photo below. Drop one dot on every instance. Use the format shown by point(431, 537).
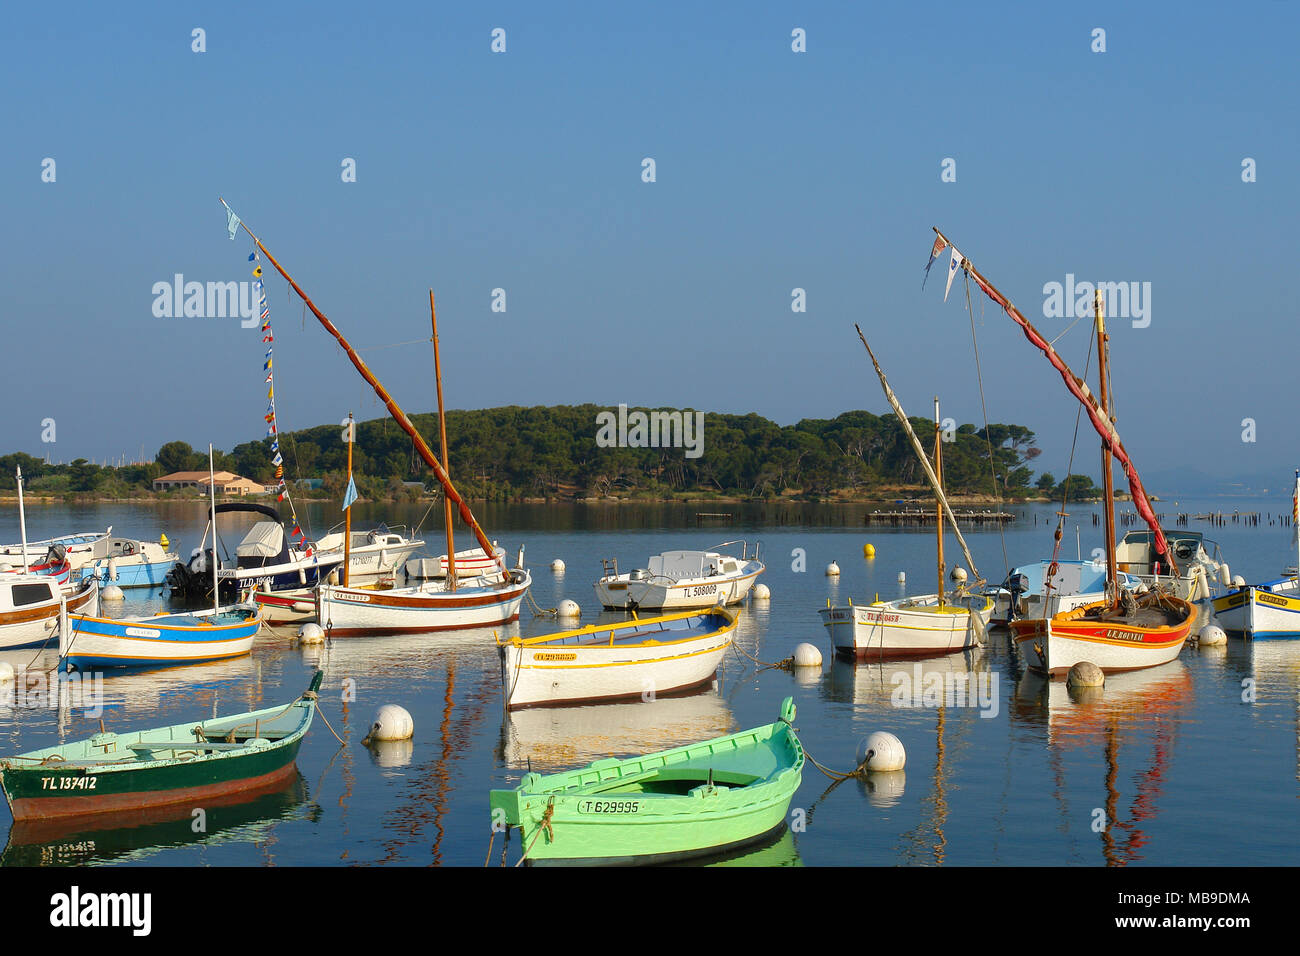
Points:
point(6, 672)
point(111, 592)
point(1238, 581)
point(391, 723)
point(557, 566)
point(832, 570)
point(1212, 636)
point(762, 592)
point(958, 574)
point(311, 634)
point(902, 577)
point(882, 751)
point(569, 608)
point(1085, 674)
point(807, 655)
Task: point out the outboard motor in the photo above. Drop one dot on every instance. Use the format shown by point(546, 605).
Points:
point(1016, 584)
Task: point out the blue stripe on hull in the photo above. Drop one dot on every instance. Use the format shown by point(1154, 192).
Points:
point(134, 575)
point(86, 662)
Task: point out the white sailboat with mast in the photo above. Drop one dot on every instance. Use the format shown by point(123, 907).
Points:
point(1125, 631)
point(923, 626)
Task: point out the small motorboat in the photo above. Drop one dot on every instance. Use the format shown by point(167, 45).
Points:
point(680, 580)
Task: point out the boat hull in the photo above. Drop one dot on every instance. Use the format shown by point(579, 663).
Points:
point(622, 594)
point(1261, 613)
point(890, 630)
point(173, 765)
point(1054, 645)
point(640, 659)
point(102, 642)
point(146, 574)
point(681, 803)
point(38, 624)
point(353, 612)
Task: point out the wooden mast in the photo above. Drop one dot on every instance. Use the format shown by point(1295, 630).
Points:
point(399, 416)
point(1108, 481)
point(1079, 390)
point(938, 472)
point(442, 434)
point(347, 512)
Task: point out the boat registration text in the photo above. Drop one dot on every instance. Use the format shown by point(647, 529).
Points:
point(68, 783)
point(609, 806)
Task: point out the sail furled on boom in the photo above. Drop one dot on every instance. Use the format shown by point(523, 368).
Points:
point(924, 459)
point(1079, 389)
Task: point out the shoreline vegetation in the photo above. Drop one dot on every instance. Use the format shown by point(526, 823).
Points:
point(559, 454)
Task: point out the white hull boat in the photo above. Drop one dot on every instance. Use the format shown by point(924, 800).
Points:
point(349, 612)
point(681, 580)
point(30, 606)
point(909, 627)
point(374, 554)
point(1261, 611)
point(623, 661)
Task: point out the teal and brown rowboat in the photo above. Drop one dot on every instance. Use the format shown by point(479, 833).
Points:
point(186, 763)
point(691, 801)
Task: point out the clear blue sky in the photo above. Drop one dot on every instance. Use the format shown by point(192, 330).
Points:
point(775, 170)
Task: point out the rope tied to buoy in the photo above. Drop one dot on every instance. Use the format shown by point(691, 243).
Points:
point(538, 610)
point(860, 773)
point(316, 705)
point(785, 665)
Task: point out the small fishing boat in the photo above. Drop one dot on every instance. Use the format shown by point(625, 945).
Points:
point(928, 624)
point(1124, 631)
point(1270, 609)
point(432, 606)
point(690, 801)
point(908, 627)
point(628, 659)
point(158, 641)
point(53, 567)
point(126, 562)
point(29, 608)
point(87, 641)
point(679, 580)
point(184, 763)
point(72, 545)
point(1203, 569)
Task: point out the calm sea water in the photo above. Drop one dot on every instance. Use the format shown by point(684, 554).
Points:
point(1196, 762)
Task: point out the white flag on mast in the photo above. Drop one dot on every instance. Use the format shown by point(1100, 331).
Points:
point(953, 265)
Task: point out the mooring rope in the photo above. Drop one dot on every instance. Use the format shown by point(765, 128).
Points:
point(544, 825)
point(538, 610)
point(785, 665)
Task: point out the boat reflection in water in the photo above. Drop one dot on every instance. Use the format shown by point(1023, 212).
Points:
point(1141, 709)
point(552, 739)
point(776, 850)
point(246, 817)
point(390, 656)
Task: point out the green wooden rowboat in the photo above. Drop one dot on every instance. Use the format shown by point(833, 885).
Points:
point(187, 763)
point(690, 801)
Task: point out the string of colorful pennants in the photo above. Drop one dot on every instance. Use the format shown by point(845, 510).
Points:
point(272, 427)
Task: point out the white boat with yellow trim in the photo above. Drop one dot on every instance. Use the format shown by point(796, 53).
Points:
point(909, 627)
point(1261, 611)
point(680, 580)
point(640, 658)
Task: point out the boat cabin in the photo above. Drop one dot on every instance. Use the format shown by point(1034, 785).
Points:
point(1136, 551)
point(681, 565)
point(22, 592)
